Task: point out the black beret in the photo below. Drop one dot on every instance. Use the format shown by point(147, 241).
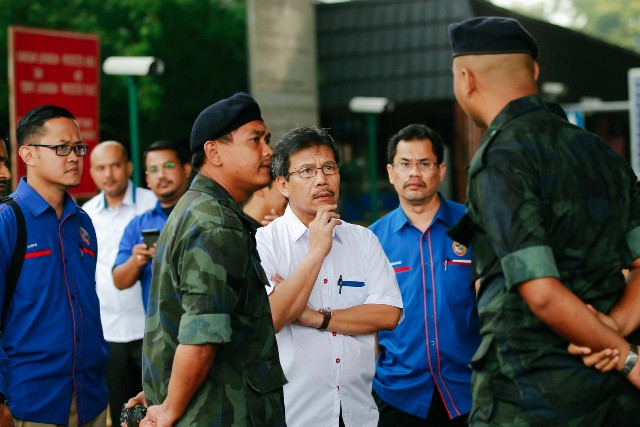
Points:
point(491, 35)
point(223, 117)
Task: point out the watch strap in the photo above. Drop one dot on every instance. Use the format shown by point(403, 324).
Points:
point(630, 361)
point(327, 317)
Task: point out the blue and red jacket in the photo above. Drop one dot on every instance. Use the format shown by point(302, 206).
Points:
point(431, 349)
point(52, 345)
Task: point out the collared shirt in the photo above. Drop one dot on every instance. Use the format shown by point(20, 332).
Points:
point(152, 219)
point(430, 351)
point(547, 199)
point(208, 288)
point(326, 369)
point(52, 344)
point(121, 311)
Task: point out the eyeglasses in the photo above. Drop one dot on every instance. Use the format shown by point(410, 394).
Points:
point(155, 169)
point(423, 165)
point(65, 150)
point(307, 172)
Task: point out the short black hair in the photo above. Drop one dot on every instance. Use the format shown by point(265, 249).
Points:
point(181, 152)
point(298, 139)
point(33, 122)
point(416, 132)
point(198, 156)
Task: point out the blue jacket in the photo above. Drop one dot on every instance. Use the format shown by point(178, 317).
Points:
point(431, 349)
point(52, 344)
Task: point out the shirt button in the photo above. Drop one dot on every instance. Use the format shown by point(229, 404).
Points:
point(338, 360)
point(334, 334)
point(430, 316)
point(432, 342)
point(326, 281)
point(78, 338)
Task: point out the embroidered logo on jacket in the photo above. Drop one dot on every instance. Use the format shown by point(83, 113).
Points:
point(459, 248)
point(85, 236)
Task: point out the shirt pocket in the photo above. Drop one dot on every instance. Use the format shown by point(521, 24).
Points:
point(263, 383)
point(351, 291)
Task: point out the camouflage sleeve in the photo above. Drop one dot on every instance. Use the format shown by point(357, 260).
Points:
point(210, 265)
point(511, 213)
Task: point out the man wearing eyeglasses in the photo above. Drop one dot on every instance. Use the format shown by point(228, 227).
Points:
point(423, 376)
point(122, 312)
point(332, 288)
point(167, 172)
point(52, 352)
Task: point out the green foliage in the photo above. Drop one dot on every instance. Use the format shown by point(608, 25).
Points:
point(615, 21)
point(203, 44)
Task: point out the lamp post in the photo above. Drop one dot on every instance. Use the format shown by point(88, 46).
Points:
point(132, 67)
point(372, 107)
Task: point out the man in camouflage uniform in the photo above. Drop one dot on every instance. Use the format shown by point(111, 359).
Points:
point(553, 216)
point(209, 353)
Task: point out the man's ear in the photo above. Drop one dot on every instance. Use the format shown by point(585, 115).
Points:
point(468, 81)
point(129, 169)
point(212, 153)
point(283, 186)
point(389, 169)
point(26, 154)
point(536, 71)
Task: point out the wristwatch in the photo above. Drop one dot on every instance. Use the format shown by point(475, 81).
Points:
point(3, 400)
point(630, 361)
point(327, 317)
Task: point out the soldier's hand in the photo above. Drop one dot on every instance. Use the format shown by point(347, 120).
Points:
point(321, 229)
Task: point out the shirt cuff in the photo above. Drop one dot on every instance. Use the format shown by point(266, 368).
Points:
point(204, 329)
point(633, 242)
point(529, 263)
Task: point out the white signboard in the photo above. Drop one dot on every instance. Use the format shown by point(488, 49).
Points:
point(634, 117)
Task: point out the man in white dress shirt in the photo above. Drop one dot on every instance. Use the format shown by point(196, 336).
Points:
point(332, 288)
point(122, 312)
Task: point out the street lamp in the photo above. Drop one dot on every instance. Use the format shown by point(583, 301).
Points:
point(372, 107)
point(132, 67)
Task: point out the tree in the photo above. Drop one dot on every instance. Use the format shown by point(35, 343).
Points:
point(202, 43)
point(615, 21)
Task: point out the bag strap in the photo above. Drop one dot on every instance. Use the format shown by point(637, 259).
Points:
point(19, 250)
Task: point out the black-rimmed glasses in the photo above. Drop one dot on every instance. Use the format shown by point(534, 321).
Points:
point(309, 172)
point(65, 150)
point(423, 165)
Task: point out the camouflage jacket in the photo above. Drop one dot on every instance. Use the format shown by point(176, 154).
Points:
point(208, 287)
point(547, 199)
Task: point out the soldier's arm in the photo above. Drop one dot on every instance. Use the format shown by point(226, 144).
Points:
point(626, 313)
point(569, 317)
point(289, 299)
point(191, 366)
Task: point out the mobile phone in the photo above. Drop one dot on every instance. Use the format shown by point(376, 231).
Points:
point(150, 236)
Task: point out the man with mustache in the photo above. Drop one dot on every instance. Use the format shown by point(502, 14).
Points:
point(332, 289)
point(167, 171)
point(52, 351)
point(423, 376)
point(121, 312)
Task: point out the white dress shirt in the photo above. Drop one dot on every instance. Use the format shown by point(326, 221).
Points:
point(326, 369)
point(121, 311)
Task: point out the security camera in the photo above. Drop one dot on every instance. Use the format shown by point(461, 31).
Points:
point(133, 65)
point(370, 104)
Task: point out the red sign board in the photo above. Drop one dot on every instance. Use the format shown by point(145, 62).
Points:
point(59, 68)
